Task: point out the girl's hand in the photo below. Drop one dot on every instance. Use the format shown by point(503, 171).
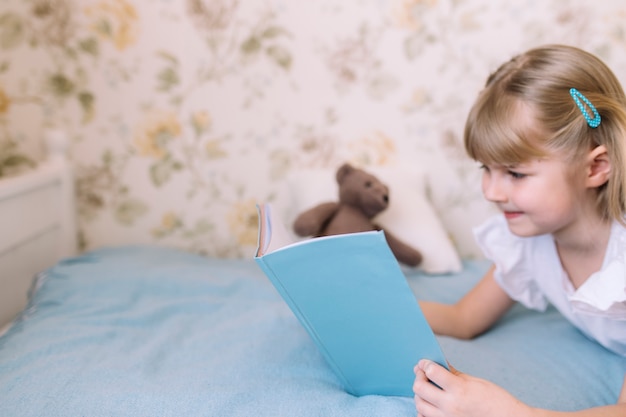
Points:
point(461, 395)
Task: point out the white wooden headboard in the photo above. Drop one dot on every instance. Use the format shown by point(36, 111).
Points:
point(37, 224)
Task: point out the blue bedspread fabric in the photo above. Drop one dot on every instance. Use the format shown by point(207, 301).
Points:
point(149, 331)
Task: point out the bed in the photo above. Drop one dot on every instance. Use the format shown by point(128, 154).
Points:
point(154, 331)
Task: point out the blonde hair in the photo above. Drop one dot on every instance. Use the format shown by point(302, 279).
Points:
point(540, 80)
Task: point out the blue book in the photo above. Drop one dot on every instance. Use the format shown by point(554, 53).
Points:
point(350, 294)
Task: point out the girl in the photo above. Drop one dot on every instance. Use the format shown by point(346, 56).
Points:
point(550, 131)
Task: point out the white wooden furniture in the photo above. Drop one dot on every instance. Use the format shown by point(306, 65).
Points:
point(37, 224)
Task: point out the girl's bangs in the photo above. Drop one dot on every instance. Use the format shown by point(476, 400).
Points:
point(499, 130)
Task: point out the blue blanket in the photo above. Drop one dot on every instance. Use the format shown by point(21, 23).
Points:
point(147, 331)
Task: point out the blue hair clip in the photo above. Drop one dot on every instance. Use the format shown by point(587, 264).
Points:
point(577, 96)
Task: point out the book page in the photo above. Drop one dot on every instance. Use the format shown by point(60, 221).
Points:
point(272, 232)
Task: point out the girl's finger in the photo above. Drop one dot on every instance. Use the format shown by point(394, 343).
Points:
point(438, 374)
point(426, 409)
point(420, 379)
point(425, 390)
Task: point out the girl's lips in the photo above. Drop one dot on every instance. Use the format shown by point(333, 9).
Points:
point(512, 214)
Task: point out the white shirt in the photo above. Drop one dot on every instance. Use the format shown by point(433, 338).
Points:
point(529, 270)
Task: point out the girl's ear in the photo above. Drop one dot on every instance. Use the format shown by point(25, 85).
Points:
point(598, 167)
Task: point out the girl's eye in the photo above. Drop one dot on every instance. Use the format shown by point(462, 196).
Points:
point(516, 175)
point(484, 168)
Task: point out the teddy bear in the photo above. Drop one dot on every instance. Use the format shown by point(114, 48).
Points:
point(361, 197)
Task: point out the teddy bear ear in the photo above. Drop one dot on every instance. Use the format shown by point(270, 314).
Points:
point(343, 170)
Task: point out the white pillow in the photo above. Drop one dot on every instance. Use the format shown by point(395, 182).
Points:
point(410, 216)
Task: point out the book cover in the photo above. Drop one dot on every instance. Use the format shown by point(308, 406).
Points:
point(348, 291)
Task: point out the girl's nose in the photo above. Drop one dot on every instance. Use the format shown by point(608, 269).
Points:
point(493, 190)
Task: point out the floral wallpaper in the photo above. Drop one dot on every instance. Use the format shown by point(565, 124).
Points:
point(183, 114)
